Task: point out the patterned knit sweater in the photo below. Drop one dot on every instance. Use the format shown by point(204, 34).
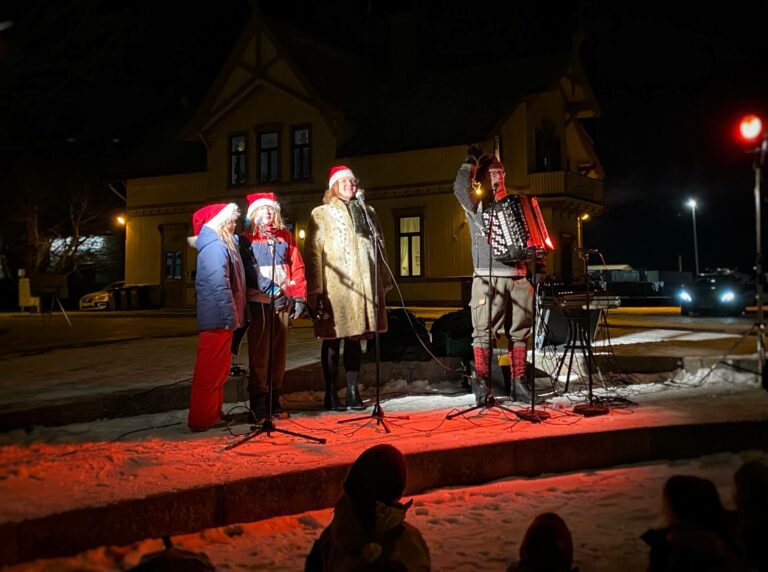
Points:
point(482, 261)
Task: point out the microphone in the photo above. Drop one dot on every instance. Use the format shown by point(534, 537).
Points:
point(263, 229)
point(360, 196)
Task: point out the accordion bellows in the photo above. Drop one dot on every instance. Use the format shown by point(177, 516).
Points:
point(517, 229)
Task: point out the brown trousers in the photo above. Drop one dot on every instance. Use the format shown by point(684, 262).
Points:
point(511, 310)
point(258, 347)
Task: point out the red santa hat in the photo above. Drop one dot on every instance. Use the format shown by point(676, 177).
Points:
point(257, 200)
point(213, 216)
point(339, 172)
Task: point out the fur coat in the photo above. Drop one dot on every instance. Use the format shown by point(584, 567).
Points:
point(340, 274)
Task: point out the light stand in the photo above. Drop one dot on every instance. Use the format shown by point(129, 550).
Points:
point(760, 324)
point(377, 414)
point(269, 425)
point(591, 408)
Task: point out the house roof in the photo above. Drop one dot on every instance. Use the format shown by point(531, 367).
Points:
point(452, 107)
point(386, 114)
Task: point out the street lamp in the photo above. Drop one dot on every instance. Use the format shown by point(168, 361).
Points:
point(120, 220)
point(692, 203)
point(579, 236)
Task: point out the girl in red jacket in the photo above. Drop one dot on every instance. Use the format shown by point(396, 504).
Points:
point(266, 240)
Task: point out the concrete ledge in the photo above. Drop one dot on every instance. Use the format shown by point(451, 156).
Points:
point(175, 396)
point(185, 511)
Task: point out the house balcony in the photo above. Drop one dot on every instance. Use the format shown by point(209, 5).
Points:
point(566, 183)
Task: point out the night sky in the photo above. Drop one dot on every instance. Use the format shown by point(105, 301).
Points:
point(88, 79)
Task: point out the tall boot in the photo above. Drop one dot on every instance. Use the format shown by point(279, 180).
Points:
point(277, 409)
point(258, 407)
point(331, 400)
point(482, 377)
point(354, 401)
point(521, 390)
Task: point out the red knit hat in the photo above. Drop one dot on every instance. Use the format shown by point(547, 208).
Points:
point(339, 172)
point(212, 215)
point(264, 199)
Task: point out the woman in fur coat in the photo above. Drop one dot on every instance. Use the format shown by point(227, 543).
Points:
point(340, 258)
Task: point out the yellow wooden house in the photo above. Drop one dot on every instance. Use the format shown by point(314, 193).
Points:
point(284, 109)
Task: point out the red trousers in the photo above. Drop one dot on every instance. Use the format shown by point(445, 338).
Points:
point(211, 371)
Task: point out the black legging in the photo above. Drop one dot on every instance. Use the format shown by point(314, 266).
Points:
point(329, 356)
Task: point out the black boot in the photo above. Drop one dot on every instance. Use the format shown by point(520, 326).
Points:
point(506, 375)
point(331, 399)
point(520, 390)
point(354, 400)
point(258, 407)
point(277, 409)
point(480, 390)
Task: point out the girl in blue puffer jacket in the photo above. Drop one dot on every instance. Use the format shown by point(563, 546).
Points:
point(221, 308)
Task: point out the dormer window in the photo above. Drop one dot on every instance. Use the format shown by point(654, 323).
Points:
point(269, 155)
point(238, 159)
point(301, 152)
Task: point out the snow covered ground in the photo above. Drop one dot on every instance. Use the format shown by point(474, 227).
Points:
point(55, 469)
point(472, 528)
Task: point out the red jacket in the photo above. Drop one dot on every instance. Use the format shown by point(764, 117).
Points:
point(288, 271)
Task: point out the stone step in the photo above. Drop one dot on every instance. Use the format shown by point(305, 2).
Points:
point(188, 510)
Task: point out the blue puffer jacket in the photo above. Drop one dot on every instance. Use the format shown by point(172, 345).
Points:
point(220, 283)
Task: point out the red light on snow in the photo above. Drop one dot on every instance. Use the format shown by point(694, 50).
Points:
point(751, 128)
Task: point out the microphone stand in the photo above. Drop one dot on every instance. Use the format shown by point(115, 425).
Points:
point(269, 425)
point(532, 414)
point(490, 401)
point(378, 413)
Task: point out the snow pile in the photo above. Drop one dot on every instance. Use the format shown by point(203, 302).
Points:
point(466, 528)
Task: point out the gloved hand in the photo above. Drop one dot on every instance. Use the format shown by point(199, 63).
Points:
point(299, 309)
point(473, 154)
point(280, 300)
point(315, 306)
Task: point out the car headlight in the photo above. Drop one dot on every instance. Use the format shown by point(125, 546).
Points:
point(685, 296)
point(727, 296)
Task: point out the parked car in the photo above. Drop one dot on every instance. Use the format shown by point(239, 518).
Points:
point(718, 293)
point(99, 300)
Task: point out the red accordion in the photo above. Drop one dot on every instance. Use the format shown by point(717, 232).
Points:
point(518, 229)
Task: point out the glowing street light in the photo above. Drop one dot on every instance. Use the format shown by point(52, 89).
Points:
point(121, 220)
point(692, 204)
point(579, 236)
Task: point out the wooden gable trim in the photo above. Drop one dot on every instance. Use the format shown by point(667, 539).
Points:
point(589, 147)
point(203, 110)
point(216, 115)
point(206, 116)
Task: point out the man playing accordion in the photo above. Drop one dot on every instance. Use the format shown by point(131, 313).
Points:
point(502, 297)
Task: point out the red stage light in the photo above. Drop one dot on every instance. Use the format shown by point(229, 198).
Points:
point(751, 128)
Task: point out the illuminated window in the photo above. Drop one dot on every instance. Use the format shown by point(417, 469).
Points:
point(301, 152)
point(238, 146)
point(173, 260)
point(410, 237)
point(269, 156)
